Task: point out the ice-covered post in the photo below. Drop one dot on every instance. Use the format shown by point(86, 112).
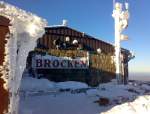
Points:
point(22, 35)
point(121, 17)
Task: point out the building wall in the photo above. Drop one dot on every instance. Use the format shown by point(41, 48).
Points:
point(101, 67)
point(4, 95)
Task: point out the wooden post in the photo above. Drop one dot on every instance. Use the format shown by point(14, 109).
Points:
point(4, 94)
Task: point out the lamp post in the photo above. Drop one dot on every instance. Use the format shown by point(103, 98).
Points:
point(121, 16)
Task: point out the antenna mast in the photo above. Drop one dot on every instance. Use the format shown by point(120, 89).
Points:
point(121, 17)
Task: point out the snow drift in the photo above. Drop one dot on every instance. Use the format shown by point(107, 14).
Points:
point(122, 99)
point(33, 84)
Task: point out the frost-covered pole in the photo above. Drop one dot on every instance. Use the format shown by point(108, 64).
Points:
point(121, 22)
point(24, 31)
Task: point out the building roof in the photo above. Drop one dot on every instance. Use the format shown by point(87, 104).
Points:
point(85, 35)
point(66, 27)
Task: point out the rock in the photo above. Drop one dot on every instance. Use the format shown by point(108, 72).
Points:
point(103, 101)
point(133, 91)
point(120, 100)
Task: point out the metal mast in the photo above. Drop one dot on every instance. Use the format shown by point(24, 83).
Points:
point(121, 16)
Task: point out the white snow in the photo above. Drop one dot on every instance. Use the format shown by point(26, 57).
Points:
point(25, 30)
point(71, 85)
point(32, 84)
point(79, 98)
point(140, 106)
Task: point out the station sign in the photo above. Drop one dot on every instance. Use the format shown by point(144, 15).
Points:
point(53, 62)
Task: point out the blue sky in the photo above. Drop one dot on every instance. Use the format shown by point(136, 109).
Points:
point(94, 17)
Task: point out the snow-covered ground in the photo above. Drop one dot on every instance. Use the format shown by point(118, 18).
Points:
point(40, 96)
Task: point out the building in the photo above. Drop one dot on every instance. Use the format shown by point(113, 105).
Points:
point(62, 38)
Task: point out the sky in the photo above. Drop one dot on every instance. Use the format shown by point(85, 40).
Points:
point(94, 18)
